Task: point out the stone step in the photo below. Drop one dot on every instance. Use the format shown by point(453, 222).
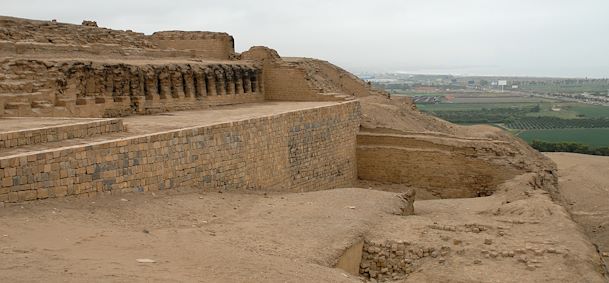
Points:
point(42, 104)
point(13, 105)
point(63, 102)
point(17, 86)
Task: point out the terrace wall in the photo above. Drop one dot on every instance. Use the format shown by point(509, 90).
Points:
point(312, 149)
point(208, 45)
point(60, 132)
point(447, 167)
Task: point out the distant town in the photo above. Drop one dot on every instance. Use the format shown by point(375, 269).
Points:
point(583, 90)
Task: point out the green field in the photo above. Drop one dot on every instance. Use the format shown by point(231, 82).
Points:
point(474, 106)
point(571, 110)
point(568, 110)
point(591, 137)
point(573, 122)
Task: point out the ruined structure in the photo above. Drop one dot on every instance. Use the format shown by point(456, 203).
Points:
point(88, 111)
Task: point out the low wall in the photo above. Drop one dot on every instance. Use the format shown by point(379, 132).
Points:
point(446, 167)
point(312, 149)
point(60, 132)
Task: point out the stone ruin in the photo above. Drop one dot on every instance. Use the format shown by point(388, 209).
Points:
point(64, 71)
point(54, 75)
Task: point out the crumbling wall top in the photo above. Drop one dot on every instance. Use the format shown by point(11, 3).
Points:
point(25, 30)
point(190, 35)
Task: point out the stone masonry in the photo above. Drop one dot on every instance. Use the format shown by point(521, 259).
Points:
point(59, 133)
point(304, 150)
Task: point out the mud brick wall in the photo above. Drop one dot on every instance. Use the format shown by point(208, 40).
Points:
point(60, 132)
point(209, 45)
point(445, 166)
point(291, 83)
point(31, 87)
point(312, 149)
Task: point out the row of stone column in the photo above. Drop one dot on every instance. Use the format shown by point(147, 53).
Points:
point(160, 81)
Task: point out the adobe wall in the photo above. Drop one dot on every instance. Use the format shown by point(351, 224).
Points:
point(305, 79)
point(25, 30)
point(31, 87)
point(36, 50)
point(208, 45)
point(446, 167)
point(312, 149)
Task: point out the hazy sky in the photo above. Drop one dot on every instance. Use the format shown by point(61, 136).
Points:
point(476, 37)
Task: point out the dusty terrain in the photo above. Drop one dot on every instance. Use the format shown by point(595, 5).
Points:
point(584, 183)
point(242, 237)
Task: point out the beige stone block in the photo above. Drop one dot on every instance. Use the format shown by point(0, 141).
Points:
point(60, 191)
point(42, 193)
point(10, 172)
point(7, 182)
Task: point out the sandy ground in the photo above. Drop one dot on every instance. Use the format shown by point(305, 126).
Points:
point(243, 237)
point(192, 236)
point(584, 183)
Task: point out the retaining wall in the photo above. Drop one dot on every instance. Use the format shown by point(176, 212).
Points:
point(312, 149)
point(448, 168)
point(60, 132)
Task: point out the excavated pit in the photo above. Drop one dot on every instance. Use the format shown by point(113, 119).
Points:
point(388, 260)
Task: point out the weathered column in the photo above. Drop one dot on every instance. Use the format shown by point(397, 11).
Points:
point(254, 80)
point(211, 82)
point(98, 84)
point(151, 84)
point(189, 84)
point(260, 80)
point(165, 83)
point(136, 93)
point(121, 83)
point(247, 84)
point(230, 79)
point(239, 80)
point(108, 83)
point(220, 82)
point(177, 83)
point(200, 85)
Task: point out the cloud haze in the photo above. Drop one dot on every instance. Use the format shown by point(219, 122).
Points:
point(478, 37)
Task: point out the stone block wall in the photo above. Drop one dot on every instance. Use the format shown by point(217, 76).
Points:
point(312, 149)
point(60, 132)
point(287, 83)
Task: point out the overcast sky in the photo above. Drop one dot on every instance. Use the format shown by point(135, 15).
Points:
point(473, 37)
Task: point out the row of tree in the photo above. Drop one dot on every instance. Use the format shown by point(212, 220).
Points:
point(569, 147)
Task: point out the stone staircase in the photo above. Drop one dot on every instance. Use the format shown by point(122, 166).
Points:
point(20, 96)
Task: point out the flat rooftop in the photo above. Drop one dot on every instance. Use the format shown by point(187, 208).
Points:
point(148, 124)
